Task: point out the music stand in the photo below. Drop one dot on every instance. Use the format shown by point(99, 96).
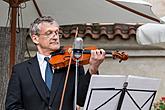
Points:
point(116, 92)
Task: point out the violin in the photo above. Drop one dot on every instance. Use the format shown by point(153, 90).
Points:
point(61, 57)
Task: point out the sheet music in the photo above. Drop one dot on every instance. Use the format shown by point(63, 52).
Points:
point(111, 81)
point(139, 82)
point(99, 96)
point(105, 90)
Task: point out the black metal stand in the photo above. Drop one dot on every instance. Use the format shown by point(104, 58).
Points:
point(123, 91)
point(76, 83)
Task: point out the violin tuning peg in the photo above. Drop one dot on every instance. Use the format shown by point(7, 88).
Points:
point(120, 61)
point(122, 52)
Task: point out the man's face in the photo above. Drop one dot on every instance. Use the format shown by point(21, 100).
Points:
point(48, 39)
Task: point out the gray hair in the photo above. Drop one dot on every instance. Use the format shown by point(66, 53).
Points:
point(34, 27)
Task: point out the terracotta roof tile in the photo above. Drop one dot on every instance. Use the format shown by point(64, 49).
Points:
point(125, 31)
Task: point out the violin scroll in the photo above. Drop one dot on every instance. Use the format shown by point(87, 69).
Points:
point(120, 55)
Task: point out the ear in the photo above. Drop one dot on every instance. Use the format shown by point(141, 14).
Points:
point(35, 39)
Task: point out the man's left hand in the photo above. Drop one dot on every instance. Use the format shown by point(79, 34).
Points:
point(97, 57)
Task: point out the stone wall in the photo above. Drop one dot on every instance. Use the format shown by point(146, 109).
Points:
point(5, 57)
point(4, 64)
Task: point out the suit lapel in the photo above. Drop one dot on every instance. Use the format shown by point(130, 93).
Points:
point(57, 81)
point(37, 79)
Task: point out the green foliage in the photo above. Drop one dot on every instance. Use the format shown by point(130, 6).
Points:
point(160, 105)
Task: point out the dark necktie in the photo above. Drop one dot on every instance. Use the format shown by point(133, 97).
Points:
point(48, 74)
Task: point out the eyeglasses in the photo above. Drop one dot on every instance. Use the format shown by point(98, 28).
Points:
point(50, 33)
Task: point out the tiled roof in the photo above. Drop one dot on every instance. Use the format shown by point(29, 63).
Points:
point(96, 31)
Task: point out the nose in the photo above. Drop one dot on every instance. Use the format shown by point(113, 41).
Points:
point(54, 36)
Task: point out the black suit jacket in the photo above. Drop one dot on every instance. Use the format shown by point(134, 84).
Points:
point(28, 91)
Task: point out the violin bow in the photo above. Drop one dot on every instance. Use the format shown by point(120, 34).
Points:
point(67, 75)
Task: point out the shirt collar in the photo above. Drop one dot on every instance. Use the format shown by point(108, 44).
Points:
point(41, 57)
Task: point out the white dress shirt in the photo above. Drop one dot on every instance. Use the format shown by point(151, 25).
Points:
point(42, 64)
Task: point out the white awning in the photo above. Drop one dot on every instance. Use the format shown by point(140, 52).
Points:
point(81, 11)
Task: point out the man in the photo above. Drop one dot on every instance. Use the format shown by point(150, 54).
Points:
point(28, 89)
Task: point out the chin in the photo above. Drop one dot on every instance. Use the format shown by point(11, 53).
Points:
point(55, 48)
